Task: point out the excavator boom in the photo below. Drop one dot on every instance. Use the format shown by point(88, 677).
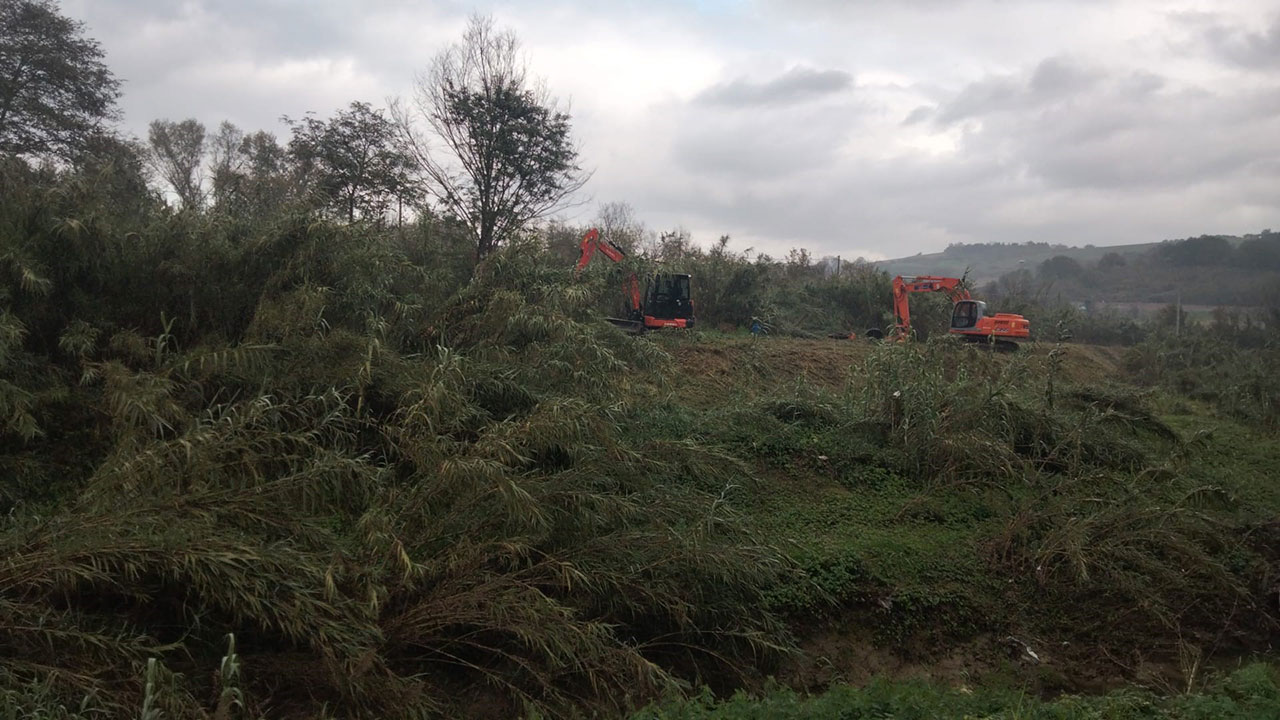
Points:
point(903, 287)
point(591, 242)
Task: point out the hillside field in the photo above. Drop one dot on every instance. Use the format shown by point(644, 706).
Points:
point(954, 531)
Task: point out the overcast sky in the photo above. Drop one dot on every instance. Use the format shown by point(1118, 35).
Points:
point(879, 128)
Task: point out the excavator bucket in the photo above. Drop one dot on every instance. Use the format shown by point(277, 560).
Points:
point(631, 327)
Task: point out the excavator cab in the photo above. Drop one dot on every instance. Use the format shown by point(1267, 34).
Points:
point(667, 301)
point(967, 314)
point(969, 320)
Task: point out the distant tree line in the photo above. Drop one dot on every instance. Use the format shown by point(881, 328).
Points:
point(474, 158)
point(1208, 270)
point(480, 141)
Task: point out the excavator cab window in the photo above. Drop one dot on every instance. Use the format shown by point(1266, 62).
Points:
point(668, 297)
point(967, 313)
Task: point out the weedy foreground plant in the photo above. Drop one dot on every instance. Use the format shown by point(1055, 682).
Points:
point(403, 498)
point(1250, 693)
point(941, 494)
point(407, 490)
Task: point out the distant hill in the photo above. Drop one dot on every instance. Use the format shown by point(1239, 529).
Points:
point(1209, 270)
point(986, 262)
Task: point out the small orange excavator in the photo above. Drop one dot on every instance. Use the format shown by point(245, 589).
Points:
point(969, 317)
point(665, 303)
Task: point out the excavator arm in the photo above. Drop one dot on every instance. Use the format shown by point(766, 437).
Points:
point(903, 287)
point(591, 242)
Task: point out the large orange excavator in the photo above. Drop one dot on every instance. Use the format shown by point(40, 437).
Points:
point(969, 317)
point(666, 301)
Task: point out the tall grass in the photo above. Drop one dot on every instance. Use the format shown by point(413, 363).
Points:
point(1240, 381)
point(407, 487)
point(1250, 693)
point(403, 492)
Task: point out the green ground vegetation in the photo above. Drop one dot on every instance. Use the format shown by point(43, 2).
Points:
point(265, 463)
point(277, 450)
point(1250, 693)
point(285, 467)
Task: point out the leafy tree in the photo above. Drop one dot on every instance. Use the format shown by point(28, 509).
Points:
point(177, 151)
point(55, 91)
point(1261, 252)
point(352, 162)
point(672, 245)
point(1111, 260)
point(224, 148)
point(117, 168)
point(1169, 316)
point(1196, 252)
point(1060, 267)
point(249, 171)
point(507, 158)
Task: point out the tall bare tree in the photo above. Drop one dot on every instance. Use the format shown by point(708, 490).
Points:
point(497, 153)
point(177, 152)
point(620, 226)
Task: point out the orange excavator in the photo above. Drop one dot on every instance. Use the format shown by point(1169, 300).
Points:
point(969, 317)
point(665, 303)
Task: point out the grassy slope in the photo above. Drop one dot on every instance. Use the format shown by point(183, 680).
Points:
point(902, 582)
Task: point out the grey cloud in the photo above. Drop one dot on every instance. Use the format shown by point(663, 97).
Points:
point(846, 9)
point(989, 95)
point(745, 152)
point(1257, 50)
point(796, 85)
point(1055, 77)
point(1143, 83)
point(1062, 153)
point(1074, 128)
point(919, 115)
point(1050, 81)
point(746, 147)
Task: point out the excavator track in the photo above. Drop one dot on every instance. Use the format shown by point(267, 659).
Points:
point(998, 344)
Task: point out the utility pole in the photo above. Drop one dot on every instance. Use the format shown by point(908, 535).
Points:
point(1177, 332)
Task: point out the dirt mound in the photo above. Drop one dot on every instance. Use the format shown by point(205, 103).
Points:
point(1080, 363)
point(721, 365)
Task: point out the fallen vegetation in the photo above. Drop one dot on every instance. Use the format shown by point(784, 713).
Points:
point(265, 452)
point(290, 467)
point(1250, 693)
